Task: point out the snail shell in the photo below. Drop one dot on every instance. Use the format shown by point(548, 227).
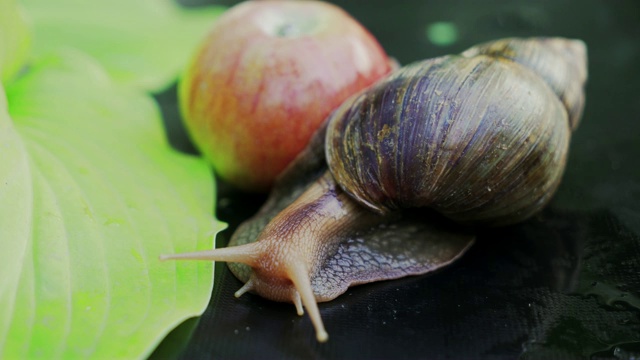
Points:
point(479, 138)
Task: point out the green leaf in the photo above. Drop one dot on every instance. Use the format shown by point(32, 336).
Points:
point(145, 43)
point(90, 195)
point(14, 39)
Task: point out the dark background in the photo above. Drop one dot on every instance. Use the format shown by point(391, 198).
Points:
point(562, 285)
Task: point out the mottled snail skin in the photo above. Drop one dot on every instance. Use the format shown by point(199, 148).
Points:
point(478, 138)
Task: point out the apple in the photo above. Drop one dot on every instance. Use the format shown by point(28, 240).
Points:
point(266, 77)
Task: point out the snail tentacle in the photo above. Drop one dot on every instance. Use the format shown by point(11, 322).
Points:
point(300, 276)
point(297, 301)
point(248, 286)
point(245, 254)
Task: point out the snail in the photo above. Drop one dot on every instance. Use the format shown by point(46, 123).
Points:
point(400, 174)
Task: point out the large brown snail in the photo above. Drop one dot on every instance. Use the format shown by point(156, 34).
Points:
point(479, 138)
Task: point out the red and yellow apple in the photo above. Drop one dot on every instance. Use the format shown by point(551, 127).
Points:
point(266, 77)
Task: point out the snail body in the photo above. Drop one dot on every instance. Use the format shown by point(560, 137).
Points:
point(393, 182)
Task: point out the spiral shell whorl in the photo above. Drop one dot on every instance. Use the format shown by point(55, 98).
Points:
point(479, 139)
point(562, 63)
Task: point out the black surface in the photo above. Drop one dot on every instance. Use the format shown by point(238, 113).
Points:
point(563, 285)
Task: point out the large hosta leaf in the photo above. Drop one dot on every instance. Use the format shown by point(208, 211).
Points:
point(141, 42)
point(90, 195)
point(14, 39)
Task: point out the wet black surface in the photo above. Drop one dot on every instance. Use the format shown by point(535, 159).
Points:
point(563, 285)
